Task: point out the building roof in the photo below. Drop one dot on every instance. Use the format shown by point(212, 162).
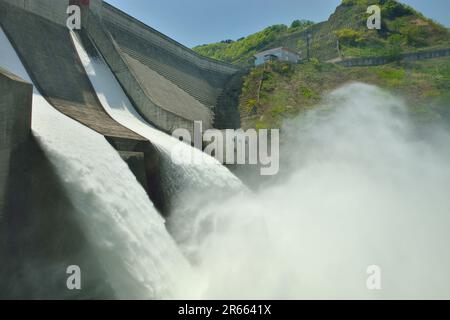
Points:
point(267, 52)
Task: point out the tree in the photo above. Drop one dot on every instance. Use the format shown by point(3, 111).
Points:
point(297, 24)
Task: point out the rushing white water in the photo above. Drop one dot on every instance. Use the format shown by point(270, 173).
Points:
point(363, 189)
point(207, 175)
point(139, 257)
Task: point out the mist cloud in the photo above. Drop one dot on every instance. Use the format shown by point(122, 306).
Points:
point(363, 189)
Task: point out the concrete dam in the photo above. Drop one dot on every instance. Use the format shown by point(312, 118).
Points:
point(169, 84)
point(84, 114)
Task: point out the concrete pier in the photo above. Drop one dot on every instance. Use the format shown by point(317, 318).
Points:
point(15, 124)
point(37, 219)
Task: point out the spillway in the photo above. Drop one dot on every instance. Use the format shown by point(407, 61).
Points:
point(182, 179)
point(123, 229)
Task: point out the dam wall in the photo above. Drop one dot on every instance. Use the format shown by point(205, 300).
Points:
point(36, 216)
point(173, 77)
point(122, 20)
point(155, 114)
point(46, 50)
point(15, 125)
point(37, 236)
point(170, 85)
point(52, 10)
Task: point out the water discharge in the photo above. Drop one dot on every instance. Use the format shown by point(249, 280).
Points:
point(361, 188)
point(199, 178)
point(139, 257)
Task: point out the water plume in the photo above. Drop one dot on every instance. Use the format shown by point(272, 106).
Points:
point(360, 187)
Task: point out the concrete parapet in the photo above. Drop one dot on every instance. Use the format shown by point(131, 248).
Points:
point(120, 18)
point(53, 10)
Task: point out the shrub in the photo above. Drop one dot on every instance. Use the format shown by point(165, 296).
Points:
point(278, 111)
point(307, 93)
point(349, 3)
point(350, 37)
point(395, 42)
point(392, 9)
point(416, 35)
point(285, 69)
point(252, 103)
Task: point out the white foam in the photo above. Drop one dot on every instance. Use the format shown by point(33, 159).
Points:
point(177, 175)
point(139, 257)
point(362, 188)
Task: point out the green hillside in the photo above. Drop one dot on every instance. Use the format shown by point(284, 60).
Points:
point(277, 91)
point(403, 29)
point(241, 51)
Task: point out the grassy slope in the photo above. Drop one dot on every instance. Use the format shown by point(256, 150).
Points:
point(288, 90)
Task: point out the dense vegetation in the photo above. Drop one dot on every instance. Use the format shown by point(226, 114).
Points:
point(287, 90)
point(403, 30)
point(242, 50)
point(277, 91)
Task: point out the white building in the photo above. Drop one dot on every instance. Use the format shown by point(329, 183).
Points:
point(280, 54)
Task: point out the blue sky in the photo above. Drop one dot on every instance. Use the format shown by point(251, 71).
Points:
point(204, 21)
